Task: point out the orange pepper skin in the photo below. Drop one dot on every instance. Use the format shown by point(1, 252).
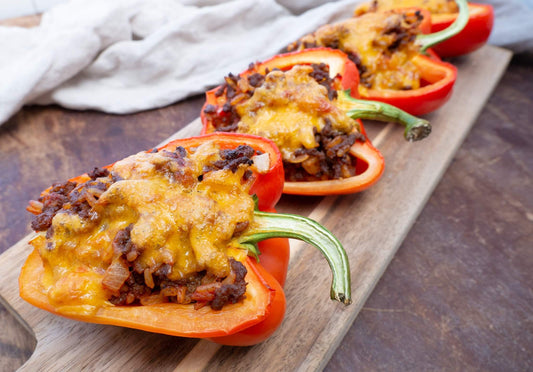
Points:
point(372, 161)
point(257, 317)
point(472, 37)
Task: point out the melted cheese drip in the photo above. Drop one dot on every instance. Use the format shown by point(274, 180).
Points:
point(176, 220)
point(287, 109)
point(365, 37)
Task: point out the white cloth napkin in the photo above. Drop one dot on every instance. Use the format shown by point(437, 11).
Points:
point(123, 56)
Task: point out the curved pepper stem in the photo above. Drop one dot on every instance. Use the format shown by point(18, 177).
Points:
point(426, 41)
point(277, 225)
point(415, 128)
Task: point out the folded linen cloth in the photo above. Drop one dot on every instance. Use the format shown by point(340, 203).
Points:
point(124, 56)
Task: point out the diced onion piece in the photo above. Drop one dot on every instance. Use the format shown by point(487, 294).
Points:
point(262, 162)
point(35, 207)
point(170, 291)
point(153, 299)
point(148, 278)
point(115, 275)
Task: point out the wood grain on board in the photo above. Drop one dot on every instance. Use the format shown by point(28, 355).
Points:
point(371, 225)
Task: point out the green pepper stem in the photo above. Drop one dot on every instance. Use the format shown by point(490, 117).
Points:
point(426, 41)
point(415, 128)
point(277, 225)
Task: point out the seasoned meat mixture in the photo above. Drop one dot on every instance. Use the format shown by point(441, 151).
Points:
point(298, 110)
point(152, 228)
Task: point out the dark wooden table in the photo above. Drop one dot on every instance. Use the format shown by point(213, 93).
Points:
point(457, 296)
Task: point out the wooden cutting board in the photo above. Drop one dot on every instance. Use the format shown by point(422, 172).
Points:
point(371, 225)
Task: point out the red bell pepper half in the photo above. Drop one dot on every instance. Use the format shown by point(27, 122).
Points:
point(474, 35)
point(435, 88)
point(370, 163)
point(437, 77)
point(243, 323)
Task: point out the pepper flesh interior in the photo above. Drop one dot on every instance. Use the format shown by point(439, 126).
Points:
point(381, 44)
point(167, 215)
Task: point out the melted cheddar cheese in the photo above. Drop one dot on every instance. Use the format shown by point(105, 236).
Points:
point(381, 43)
point(289, 108)
point(180, 217)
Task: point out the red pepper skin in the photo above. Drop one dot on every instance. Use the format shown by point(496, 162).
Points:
point(275, 254)
point(263, 330)
point(337, 61)
point(370, 161)
point(239, 324)
point(472, 37)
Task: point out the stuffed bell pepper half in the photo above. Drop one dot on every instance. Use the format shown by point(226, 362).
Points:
point(182, 240)
point(443, 13)
point(303, 102)
point(390, 50)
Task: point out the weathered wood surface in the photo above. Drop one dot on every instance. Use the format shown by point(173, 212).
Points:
point(371, 225)
point(457, 295)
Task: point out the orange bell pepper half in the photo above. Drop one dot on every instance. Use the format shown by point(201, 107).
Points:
point(169, 318)
point(259, 314)
point(369, 161)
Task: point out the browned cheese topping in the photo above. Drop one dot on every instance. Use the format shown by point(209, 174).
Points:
point(298, 110)
point(380, 44)
point(154, 227)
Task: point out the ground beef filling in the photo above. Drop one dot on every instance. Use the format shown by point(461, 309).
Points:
point(330, 160)
point(126, 279)
point(381, 48)
point(144, 286)
point(80, 198)
point(76, 198)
